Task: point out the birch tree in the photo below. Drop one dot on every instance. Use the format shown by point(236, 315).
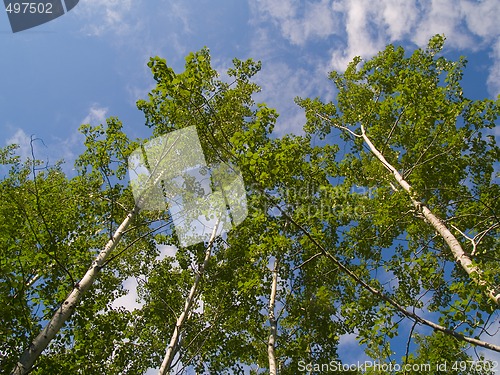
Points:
point(424, 157)
point(173, 345)
point(334, 249)
point(66, 238)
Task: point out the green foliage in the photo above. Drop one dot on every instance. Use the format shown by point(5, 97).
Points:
point(337, 223)
point(413, 110)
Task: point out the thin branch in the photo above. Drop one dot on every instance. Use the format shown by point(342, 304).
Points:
point(408, 172)
point(40, 212)
point(132, 243)
point(481, 235)
point(468, 238)
point(307, 261)
point(67, 308)
point(339, 126)
point(396, 123)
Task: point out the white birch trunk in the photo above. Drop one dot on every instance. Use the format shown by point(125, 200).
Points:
point(272, 322)
point(458, 253)
point(174, 340)
point(67, 308)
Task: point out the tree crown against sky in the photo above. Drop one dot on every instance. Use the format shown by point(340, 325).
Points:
point(355, 250)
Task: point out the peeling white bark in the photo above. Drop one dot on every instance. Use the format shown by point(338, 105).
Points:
point(273, 322)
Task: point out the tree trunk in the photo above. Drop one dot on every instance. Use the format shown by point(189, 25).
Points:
point(174, 340)
point(67, 308)
point(458, 253)
point(273, 322)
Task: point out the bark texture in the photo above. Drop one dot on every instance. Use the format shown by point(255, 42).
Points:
point(271, 344)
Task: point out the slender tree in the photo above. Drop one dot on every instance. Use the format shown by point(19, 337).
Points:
point(173, 346)
point(422, 162)
point(273, 324)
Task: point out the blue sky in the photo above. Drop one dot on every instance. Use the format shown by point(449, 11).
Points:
point(91, 63)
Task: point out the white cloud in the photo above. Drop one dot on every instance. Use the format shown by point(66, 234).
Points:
point(96, 115)
point(363, 27)
point(129, 301)
point(350, 351)
point(68, 148)
point(166, 251)
point(318, 19)
point(482, 17)
point(23, 140)
point(433, 19)
point(50, 149)
point(282, 79)
point(111, 16)
point(138, 91)
point(494, 76)
point(369, 27)
point(399, 17)
point(362, 38)
point(179, 11)
point(280, 84)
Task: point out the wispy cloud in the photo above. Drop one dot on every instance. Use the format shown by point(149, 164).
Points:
point(96, 115)
point(287, 73)
point(48, 149)
point(363, 37)
point(299, 22)
point(179, 11)
point(23, 141)
point(494, 76)
point(481, 17)
point(363, 27)
point(68, 148)
point(399, 17)
point(131, 301)
point(111, 16)
point(281, 83)
point(166, 251)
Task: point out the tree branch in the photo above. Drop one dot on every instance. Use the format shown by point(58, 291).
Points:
point(386, 298)
point(458, 253)
point(67, 308)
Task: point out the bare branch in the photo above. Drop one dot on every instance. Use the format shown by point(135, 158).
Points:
point(339, 126)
